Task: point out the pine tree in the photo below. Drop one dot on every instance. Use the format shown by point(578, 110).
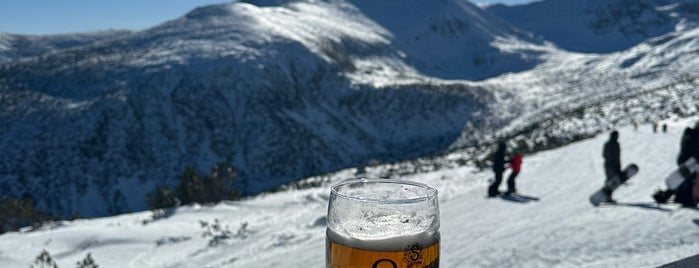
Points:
point(88, 262)
point(202, 189)
point(191, 187)
point(44, 260)
point(163, 197)
point(17, 213)
point(218, 185)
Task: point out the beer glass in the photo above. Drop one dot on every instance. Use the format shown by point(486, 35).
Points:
point(377, 223)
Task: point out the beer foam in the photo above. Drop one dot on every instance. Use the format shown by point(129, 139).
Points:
point(393, 243)
point(369, 212)
point(375, 223)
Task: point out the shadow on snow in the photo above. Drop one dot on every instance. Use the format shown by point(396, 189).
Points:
point(519, 198)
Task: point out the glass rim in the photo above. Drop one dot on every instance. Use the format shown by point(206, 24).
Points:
point(431, 191)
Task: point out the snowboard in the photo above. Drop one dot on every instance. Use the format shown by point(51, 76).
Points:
point(600, 197)
point(678, 175)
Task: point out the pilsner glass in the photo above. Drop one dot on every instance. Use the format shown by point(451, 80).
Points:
point(375, 223)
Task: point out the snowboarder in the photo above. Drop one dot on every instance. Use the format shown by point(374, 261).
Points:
point(685, 194)
point(515, 165)
point(664, 128)
point(689, 144)
point(612, 161)
point(498, 167)
point(655, 127)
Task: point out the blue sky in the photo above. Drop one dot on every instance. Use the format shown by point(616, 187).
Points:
point(54, 16)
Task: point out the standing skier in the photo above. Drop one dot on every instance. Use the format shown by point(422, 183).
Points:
point(516, 166)
point(685, 194)
point(498, 168)
point(612, 161)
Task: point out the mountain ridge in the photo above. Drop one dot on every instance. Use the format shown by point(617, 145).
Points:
point(16, 46)
point(105, 123)
point(599, 26)
point(284, 90)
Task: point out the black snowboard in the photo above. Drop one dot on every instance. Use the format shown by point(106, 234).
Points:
point(679, 183)
point(678, 175)
point(600, 196)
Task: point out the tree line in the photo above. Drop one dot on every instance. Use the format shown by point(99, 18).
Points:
point(196, 188)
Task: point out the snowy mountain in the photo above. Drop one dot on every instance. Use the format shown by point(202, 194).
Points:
point(281, 90)
point(284, 90)
point(287, 228)
point(16, 46)
point(574, 96)
point(599, 26)
point(450, 39)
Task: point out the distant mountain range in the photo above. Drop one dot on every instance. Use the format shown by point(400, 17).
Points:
point(284, 90)
point(15, 47)
point(600, 26)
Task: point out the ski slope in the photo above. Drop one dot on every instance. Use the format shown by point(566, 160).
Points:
point(286, 229)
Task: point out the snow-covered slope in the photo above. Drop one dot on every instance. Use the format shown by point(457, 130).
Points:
point(450, 39)
point(15, 46)
point(287, 228)
point(281, 90)
point(599, 26)
point(289, 89)
point(574, 95)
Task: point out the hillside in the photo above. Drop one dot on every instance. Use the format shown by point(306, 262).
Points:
point(279, 89)
point(599, 26)
point(287, 228)
point(573, 95)
point(16, 46)
point(284, 90)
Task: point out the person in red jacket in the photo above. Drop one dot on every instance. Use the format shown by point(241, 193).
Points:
point(516, 166)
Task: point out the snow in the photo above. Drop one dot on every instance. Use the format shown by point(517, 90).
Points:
point(594, 26)
point(366, 58)
point(288, 228)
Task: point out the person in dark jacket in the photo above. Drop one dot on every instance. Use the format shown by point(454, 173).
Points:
point(684, 194)
point(612, 160)
point(516, 166)
point(689, 145)
point(498, 167)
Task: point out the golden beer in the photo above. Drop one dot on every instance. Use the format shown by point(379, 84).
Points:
point(382, 224)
